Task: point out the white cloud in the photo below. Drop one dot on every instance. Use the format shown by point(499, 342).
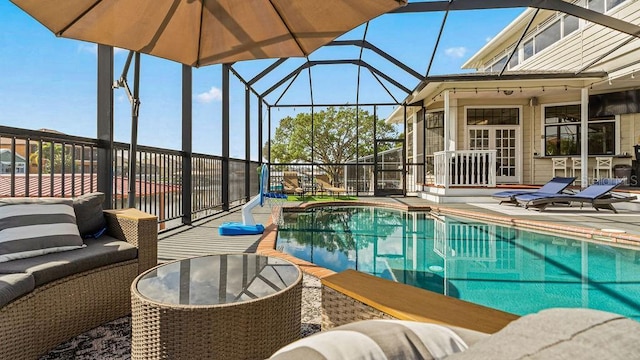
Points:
point(456, 52)
point(93, 49)
point(88, 48)
point(214, 94)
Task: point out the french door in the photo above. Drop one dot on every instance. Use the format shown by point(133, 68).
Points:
point(506, 141)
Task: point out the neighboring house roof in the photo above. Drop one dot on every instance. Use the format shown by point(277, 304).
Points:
point(143, 188)
point(6, 155)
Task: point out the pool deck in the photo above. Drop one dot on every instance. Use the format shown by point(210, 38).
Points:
point(202, 237)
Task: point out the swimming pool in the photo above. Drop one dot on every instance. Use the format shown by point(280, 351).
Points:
point(501, 267)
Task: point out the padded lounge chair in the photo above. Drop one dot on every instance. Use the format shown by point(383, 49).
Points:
point(554, 186)
point(599, 195)
point(290, 184)
point(323, 181)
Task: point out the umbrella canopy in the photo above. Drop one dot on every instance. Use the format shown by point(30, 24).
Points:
point(203, 32)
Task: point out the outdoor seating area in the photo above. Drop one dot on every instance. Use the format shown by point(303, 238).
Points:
point(277, 179)
point(46, 299)
point(599, 195)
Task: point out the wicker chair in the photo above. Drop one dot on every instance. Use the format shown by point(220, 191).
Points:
point(52, 313)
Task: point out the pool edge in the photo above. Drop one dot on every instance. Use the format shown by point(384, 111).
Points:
point(267, 242)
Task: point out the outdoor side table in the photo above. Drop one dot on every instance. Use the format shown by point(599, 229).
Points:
point(234, 306)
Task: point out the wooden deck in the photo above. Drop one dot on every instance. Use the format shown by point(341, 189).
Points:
point(202, 237)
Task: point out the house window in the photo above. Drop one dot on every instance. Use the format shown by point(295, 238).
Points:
point(548, 36)
point(528, 49)
point(603, 6)
point(499, 116)
point(562, 132)
point(434, 141)
point(570, 24)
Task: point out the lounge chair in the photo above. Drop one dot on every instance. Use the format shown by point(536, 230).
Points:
point(325, 184)
point(290, 184)
point(554, 186)
point(599, 195)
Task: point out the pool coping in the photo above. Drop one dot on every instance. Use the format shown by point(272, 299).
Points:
point(267, 242)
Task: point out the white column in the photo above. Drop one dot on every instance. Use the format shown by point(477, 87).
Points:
point(584, 138)
point(450, 121)
point(447, 118)
point(453, 126)
point(415, 137)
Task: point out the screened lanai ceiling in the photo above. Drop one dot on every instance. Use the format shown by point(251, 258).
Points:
point(379, 65)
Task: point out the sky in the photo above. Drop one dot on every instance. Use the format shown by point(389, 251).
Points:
point(49, 82)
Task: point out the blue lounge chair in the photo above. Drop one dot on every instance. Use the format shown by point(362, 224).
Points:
point(554, 186)
point(599, 195)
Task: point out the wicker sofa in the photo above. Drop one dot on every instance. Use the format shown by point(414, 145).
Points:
point(60, 295)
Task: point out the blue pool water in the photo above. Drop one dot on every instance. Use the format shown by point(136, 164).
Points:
point(501, 267)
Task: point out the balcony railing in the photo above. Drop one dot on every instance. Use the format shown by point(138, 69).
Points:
point(465, 168)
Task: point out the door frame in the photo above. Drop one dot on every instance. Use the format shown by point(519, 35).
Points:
point(519, 135)
point(376, 170)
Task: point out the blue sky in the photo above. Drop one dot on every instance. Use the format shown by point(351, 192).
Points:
point(49, 82)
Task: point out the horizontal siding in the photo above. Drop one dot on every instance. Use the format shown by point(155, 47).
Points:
point(585, 46)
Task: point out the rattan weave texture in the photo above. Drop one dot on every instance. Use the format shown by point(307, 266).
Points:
point(33, 324)
point(340, 309)
point(246, 330)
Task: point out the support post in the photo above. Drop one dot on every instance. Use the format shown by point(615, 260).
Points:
point(105, 124)
point(133, 146)
point(584, 137)
point(247, 144)
point(447, 120)
point(260, 130)
point(187, 143)
point(225, 137)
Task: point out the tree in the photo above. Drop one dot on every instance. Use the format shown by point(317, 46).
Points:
point(45, 160)
point(334, 141)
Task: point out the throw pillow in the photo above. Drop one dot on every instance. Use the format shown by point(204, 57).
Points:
point(376, 339)
point(36, 226)
point(89, 215)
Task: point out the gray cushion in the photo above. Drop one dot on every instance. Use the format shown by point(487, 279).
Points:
point(12, 286)
point(561, 334)
point(36, 226)
point(89, 215)
point(376, 339)
point(99, 252)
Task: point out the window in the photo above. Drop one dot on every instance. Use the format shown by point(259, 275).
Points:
point(596, 5)
point(528, 49)
point(602, 6)
point(514, 60)
point(570, 24)
point(434, 141)
point(501, 116)
point(562, 132)
point(548, 36)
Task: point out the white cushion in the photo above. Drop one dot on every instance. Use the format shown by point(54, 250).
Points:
point(376, 340)
point(37, 226)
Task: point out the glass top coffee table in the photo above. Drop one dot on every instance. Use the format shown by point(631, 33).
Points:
point(232, 306)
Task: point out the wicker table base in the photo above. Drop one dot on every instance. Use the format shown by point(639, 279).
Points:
point(239, 329)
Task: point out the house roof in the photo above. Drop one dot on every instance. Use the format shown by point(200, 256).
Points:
point(523, 84)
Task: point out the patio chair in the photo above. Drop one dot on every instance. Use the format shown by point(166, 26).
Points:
point(325, 184)
point(554, 186)
point(290, 184)
point(599, 195)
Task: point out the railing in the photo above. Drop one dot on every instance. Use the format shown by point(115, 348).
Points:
point(48, 164)
point(41, 163)
point(465, 168)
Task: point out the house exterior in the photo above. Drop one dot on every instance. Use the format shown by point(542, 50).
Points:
point(564, 94)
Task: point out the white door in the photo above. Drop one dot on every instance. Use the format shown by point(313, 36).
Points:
point(506, 142)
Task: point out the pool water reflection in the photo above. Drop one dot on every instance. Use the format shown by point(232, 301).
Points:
point(501, 267)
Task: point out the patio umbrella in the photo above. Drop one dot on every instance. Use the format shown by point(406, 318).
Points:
point(203, 32)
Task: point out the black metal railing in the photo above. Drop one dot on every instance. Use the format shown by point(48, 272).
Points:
point(44, 163)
